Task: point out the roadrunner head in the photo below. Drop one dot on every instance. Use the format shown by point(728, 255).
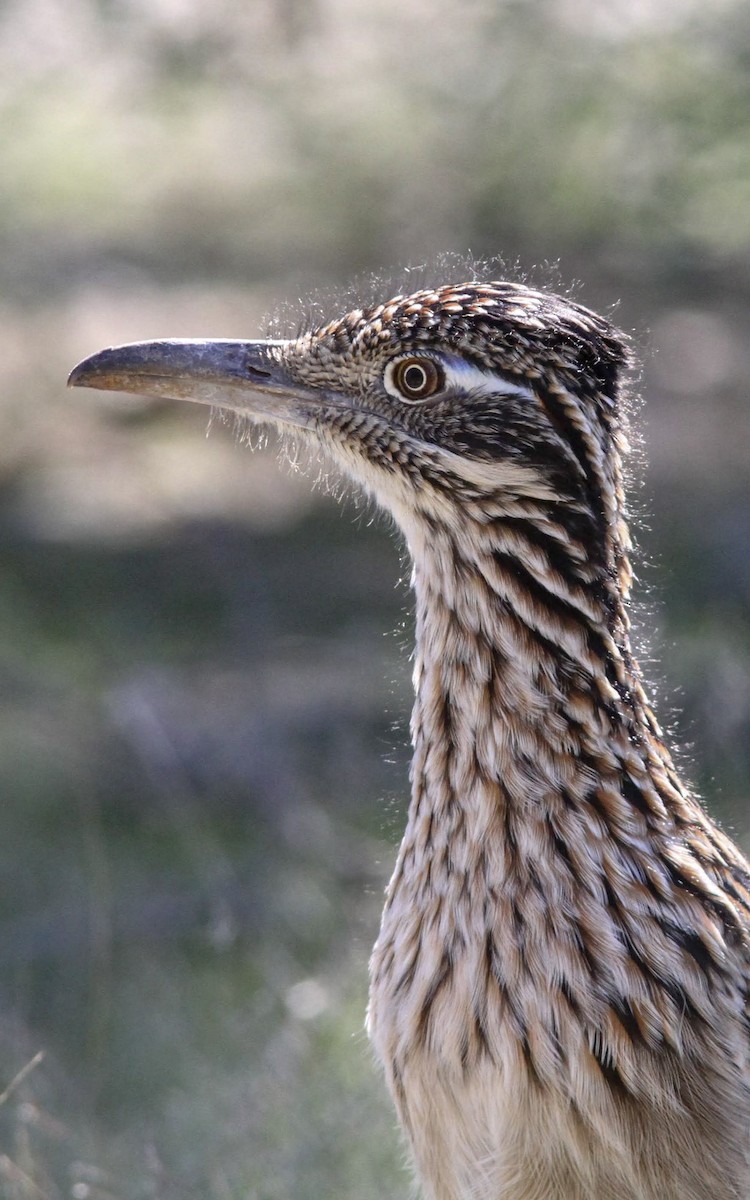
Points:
point(454, 405)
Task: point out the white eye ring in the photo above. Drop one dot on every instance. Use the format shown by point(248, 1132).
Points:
point(414, 378)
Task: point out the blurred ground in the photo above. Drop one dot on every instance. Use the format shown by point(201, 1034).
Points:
point(204, 710)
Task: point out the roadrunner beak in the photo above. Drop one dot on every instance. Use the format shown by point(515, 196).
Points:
point(248, 377)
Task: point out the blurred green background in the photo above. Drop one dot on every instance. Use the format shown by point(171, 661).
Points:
point(204, 661)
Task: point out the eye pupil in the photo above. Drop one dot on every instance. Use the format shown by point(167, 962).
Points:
point(414, 378)
point(417, 378)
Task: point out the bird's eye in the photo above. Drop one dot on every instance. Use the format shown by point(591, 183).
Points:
point(417, 378)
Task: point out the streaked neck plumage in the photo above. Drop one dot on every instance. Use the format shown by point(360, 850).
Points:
point(544, 807)
point(525, 686)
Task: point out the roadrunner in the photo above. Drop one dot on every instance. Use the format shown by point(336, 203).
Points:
point(559, 989)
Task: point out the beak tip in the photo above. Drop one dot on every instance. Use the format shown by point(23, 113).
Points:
point(82, 374)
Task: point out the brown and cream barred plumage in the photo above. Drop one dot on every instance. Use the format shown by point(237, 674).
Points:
point(559, 991)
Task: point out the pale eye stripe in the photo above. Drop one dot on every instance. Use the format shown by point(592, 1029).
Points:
point(470, 378)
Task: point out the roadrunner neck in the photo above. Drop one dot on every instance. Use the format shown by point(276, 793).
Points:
point(562, 914)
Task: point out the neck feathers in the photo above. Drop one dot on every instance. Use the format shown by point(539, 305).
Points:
point(546, 820)
point(530, 715)
point(522, 641)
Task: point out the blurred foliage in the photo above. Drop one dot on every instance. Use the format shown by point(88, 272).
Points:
point(203, 729)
